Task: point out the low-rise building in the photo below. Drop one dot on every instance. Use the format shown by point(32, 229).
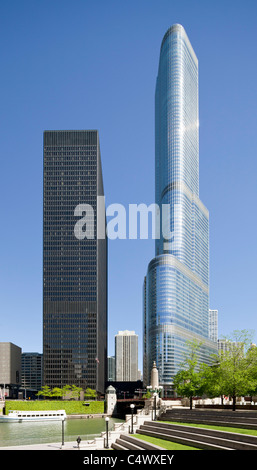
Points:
point(10, 369)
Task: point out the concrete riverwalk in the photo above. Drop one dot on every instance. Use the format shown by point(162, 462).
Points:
point(50, 446)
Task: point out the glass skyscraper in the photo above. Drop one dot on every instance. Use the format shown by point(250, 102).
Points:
point(74, 269)
point(176, 287)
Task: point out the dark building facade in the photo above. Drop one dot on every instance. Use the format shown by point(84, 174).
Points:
point(74, 267)
point(31, 372)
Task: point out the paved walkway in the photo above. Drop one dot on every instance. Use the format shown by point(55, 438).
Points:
point(51, 446)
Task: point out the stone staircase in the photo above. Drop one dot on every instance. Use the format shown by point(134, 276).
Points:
point(124, 428)
point(239, 419)
point(201, 438)
point(128, 442)
point(197, 437)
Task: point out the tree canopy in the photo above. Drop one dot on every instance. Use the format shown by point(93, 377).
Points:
point(188, 381)
point(231, 372)
point(68, 391)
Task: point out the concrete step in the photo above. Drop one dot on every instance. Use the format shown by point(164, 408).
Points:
point(117, 446)
point(215, 422)
point(200, 437)
point(142, 444)
point(188, 441)
point(236, 420)
point(128, 445)
point(220, 413)
point(246, 438)
point(128, 442)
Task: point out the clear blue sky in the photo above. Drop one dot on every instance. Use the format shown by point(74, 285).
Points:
point(92, 65)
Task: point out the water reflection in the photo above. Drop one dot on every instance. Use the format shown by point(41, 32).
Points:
point(43, 432)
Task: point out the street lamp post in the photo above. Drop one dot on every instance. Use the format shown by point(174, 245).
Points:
point(132, 406)
point(62, 431)
point(107, 430)
point(155, 396)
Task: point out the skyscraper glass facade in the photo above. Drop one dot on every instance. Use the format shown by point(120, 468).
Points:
point(213, 325)
point(176, 287)
point(74, 270)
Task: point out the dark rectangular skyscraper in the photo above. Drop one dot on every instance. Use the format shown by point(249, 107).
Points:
point(74, 268)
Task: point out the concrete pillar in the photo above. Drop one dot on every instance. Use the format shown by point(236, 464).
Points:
point(111, 400)
point(154, 377)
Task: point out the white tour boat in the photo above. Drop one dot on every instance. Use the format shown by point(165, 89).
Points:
point(19, 416)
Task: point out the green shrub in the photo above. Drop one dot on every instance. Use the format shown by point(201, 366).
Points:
point(71, 407)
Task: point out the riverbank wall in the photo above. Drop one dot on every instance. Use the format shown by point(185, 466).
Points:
point(87, 416)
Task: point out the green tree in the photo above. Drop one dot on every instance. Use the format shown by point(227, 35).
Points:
point(252, 358)
point(75, 391)
point(190, 379)
point(90, 393)
point(45, 392)
point(236, 368)
point(66, 391)
point(212, 386)
point(56, 392)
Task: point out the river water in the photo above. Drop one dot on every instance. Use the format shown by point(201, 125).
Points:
point(13, 434)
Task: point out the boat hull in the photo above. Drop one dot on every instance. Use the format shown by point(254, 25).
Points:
point(19, 416)
point(19, 420)
point(5, 419)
